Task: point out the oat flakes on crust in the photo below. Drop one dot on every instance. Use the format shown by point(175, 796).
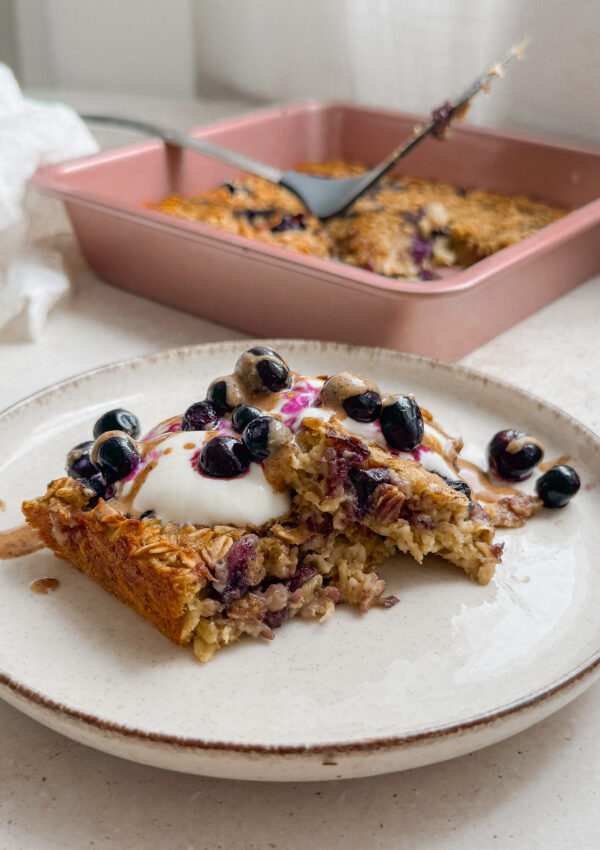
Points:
point(300, 566)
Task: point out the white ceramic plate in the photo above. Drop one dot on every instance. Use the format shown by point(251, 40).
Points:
point(452, 668)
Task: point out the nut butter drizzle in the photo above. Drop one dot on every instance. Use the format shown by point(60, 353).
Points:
point(549, 464)
point(482, 487)
point(124, 503)
point(344, 385)
point(518, 443)
point(19, 541)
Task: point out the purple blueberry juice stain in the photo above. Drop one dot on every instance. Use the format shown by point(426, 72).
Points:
point(342, 455)
point(153, 454)
point(160, 429)
point(274, 619)
point(421, 249)
point(413, 217)
point(236, 564)
point(365, 482)
point(290, 222)
point(302, 396)
point(301, 576)
point(442, 118)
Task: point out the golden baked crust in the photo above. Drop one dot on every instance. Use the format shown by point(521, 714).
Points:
point(299, 566)
point(129, 558)
point(405, 227)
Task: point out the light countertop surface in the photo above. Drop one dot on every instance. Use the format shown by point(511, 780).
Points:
point(540, 789)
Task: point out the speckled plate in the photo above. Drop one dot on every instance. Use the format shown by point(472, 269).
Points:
point(453, 667)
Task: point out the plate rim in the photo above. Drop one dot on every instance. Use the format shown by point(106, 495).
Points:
point(519, 705)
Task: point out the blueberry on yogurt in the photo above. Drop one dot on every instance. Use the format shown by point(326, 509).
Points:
point(264, 351)
point(200, 416)
point(225, 393)
point(116, 457)
point(364, 407)
point(224, 457)
point(117, 420)
point(244, 414)
point(263, 370)
point(265, 436)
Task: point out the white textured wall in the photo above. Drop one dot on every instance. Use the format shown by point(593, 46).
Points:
point(411, 54)
point(401, 53)
point(136, 46)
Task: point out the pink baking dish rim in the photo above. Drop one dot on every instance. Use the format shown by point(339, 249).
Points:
point(48, 179)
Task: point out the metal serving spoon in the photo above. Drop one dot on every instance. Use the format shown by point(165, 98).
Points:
point(324, 196)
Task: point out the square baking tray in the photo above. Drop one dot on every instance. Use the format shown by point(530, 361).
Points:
point(271, 291)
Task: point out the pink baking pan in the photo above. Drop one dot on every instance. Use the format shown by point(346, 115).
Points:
point(273, 292)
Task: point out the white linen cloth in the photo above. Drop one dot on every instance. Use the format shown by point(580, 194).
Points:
point(33, 268)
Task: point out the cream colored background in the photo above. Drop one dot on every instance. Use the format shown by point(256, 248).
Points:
point(400, 53)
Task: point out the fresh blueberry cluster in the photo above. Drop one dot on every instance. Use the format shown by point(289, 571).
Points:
point(513, 456)
point(115, 457)
point(400, 417)
point(259, 370)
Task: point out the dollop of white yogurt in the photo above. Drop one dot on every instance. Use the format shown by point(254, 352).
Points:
point(176, 491)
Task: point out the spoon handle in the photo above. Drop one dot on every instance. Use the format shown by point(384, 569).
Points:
point(439, 120)
point(184, 140)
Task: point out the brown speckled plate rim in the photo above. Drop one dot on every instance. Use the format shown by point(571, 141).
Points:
point(348, 747)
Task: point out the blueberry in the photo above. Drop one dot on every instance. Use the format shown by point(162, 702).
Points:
point(290, 222)
point(116, 457)
point(96, 482)
point(244, 414)
point(201, 416)
point(365, 407)
point(251, 214)
point(365, 482)
point(513, 455)
point(402, 423)
point(225, 394)
point(264, 350)
point(79, 463)
point(558, 486)
point(117, 420)
point(342, 386)
point(460, 487)
point(265, 436)
point(263, 370)
point(234, 189)
point(224, 457)
point(100, 486)
point(421, 249)
point(274, 376)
